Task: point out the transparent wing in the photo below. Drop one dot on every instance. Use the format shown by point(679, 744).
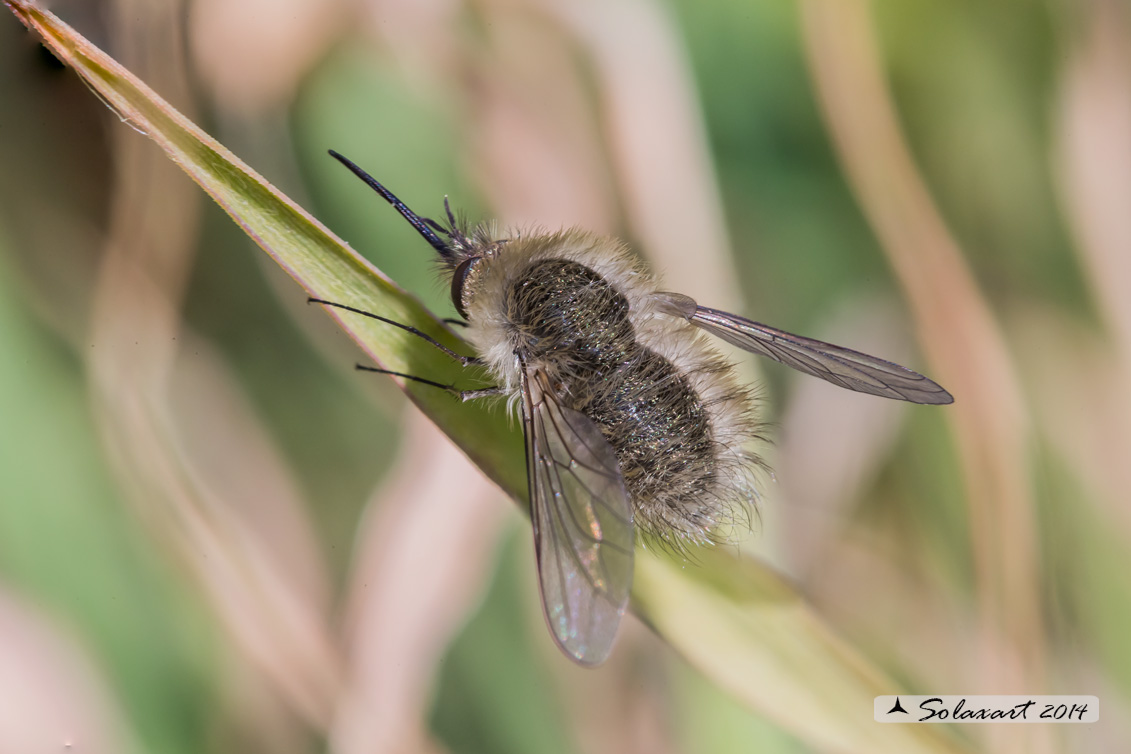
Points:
point(583, 532)
point(840, 366)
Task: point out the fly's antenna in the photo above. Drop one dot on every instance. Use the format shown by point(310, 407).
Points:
point(424, 226)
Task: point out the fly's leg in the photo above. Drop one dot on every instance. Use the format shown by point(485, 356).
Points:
point(464, 360)
point(463, 395)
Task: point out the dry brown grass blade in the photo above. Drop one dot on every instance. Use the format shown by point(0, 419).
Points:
point(274, 619)
point(657, 143)
point(425, 552)
point(263, 589)
point(959, 336)
point(520, 137)
point(1082, 404)
point(253, 54)
point(1094, 160)
point(848, 439)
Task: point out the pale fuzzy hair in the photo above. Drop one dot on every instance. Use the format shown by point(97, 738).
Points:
point(728, 403)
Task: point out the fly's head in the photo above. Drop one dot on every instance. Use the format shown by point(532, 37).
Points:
point(471, 253)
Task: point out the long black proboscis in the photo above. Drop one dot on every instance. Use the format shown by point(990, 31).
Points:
point(423, 226)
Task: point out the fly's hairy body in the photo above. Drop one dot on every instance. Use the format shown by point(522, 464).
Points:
point(668, 406)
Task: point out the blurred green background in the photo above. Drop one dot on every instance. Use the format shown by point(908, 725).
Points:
point(944, 184)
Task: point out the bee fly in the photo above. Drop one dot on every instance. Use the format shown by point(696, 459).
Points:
point(631, 420)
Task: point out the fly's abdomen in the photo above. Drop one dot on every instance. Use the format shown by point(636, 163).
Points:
point(661, 432)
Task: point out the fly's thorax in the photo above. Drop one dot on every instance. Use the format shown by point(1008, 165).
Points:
point(566, 312)
point(528, 297)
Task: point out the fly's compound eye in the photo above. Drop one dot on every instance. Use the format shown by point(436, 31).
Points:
point(460, 278)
